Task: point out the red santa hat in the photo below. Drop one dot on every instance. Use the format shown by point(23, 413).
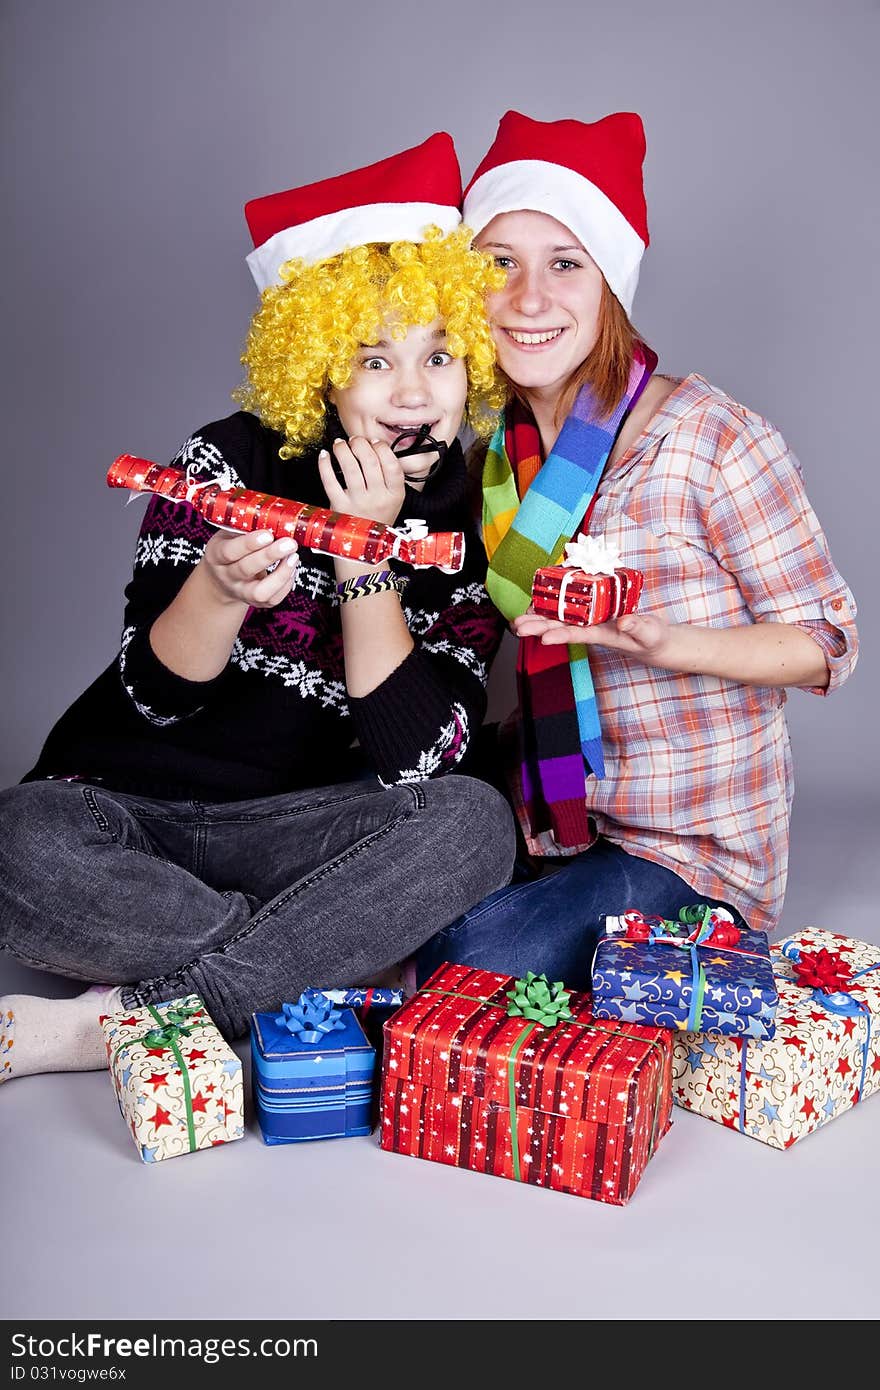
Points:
point(587, 176)
point(393, 200)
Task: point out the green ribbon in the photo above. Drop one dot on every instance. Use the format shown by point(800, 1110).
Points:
point(670, 933)
point(174, 1024)
point(165, 1037)
point(555, 1003)
point(544, 1004)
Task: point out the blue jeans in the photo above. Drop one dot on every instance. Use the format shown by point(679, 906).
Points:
point(551, 924)
point(245, 903)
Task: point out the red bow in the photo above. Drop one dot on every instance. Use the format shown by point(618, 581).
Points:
point(723, 934)
point(637, 929)
point(825, 970)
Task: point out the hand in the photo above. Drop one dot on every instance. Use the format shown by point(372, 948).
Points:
point(238, 568)
point(645, 636)
point(374, 480)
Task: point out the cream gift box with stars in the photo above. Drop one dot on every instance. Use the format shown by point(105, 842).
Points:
point(823, 1059)
point(178, 1082)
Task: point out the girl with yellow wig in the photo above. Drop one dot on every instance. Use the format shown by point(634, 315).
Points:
point(262, 792)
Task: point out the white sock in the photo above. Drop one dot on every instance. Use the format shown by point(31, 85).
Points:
point(38, 1035)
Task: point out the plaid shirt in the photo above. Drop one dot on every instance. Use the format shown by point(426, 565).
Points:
point(710, 504)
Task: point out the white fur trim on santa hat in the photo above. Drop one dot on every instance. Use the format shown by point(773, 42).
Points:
point(600, 226)
point(328, 235)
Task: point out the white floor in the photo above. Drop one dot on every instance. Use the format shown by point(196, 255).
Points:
point(721, 1226)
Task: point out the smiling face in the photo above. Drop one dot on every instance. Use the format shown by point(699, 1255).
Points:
point(399, 385)
point(545, 321)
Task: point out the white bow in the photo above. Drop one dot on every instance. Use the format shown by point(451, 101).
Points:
point(593, 554)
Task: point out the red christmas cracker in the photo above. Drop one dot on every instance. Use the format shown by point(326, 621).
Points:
point(314, 528)
point(578, 1107)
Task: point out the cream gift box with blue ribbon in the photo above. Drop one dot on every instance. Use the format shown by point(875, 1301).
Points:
point(701, 973)
point(823, 1059)
point(312, 1071)
point(178, 1082)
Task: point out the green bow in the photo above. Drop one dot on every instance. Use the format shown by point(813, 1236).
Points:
point(537, 999)
point(183, 1015)
point(164, 1037)
point(176, 1021)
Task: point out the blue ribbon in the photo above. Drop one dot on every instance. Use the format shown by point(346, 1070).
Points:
point(310, 1019)
point(677, 934)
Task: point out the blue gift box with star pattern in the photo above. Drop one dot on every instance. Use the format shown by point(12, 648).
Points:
point(312, 1068)
point(699, 974)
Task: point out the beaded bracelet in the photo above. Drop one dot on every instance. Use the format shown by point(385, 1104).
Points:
point(378, 583)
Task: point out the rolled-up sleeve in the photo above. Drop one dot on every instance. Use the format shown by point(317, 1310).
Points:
point(764, 531)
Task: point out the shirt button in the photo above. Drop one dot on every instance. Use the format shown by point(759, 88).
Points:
point(837, 604)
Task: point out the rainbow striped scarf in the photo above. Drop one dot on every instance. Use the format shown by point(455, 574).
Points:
point(561, 737)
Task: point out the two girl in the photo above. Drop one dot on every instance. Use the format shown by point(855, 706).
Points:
point(247, 801)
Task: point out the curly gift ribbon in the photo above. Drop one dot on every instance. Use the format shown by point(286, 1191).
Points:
point(558, 1009)
point(710, 926)
point(310, 1019)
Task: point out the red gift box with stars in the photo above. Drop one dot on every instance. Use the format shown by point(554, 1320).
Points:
point(543, 1094)
point(823, 1059)
point(178, 1082)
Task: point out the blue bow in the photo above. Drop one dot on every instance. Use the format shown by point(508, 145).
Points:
point(310, 1019)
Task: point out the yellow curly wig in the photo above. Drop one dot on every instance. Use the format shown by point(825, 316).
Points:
point(306, 333)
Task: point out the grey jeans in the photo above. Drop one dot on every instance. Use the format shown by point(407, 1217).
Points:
point(245, 903)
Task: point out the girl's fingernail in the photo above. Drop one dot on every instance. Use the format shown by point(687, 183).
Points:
point(286, 546)
point(292, 560)
point(323, 454)
point(264, 537)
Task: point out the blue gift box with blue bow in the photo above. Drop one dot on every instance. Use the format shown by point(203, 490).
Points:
point(702, 973)
point(312, 1072)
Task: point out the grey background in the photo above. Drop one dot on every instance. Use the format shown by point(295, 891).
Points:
point(132, 136)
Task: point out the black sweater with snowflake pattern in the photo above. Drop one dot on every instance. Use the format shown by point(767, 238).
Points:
point(278, 717)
